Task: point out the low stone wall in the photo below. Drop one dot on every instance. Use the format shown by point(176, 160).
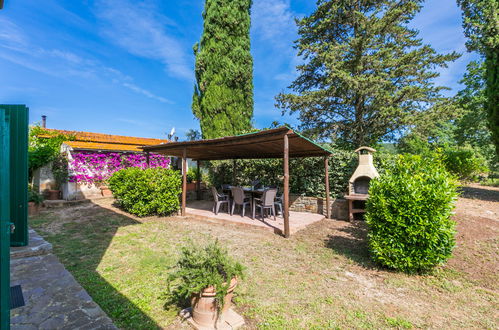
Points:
point(298, 203)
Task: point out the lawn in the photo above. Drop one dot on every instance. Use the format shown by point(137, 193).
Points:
point(319, 278)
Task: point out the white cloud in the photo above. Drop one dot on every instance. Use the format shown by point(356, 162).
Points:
point(140, 30)
point(273, 20)
point(16, 47)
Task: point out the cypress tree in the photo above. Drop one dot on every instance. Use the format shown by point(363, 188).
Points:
point(366, 74)
point(223, 93)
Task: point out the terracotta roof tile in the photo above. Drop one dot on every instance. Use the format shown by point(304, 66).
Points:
point(99, 141)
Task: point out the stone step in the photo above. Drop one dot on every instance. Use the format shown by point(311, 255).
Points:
point(37, 246)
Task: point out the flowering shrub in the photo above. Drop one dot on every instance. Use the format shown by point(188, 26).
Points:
point(97, 167)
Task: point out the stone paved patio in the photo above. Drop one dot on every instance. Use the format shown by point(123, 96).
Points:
point(54, 300)
point(297, 220)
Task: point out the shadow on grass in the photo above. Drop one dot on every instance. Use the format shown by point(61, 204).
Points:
point(81, 245)
point(483, 194)
point(351, 242)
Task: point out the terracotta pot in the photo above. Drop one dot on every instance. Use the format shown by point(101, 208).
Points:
point(53, 194)
point(204, 307)
point(106, 192)
point(191, 186)
point(33, 208)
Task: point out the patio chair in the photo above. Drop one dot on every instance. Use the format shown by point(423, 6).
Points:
point(240, 198)
point(219, 199)
point(266, 202)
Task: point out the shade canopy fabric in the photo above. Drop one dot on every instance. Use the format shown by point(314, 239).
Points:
point(263, 144)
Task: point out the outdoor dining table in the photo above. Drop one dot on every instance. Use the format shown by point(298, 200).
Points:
point(254, 192)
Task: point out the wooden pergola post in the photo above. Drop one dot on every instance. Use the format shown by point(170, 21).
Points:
point(198, 178)
point(326, 169)
point(286, 187)
point(184, 181)
point(147, 160)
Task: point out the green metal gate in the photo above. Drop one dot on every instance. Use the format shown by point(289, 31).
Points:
point(18, 117)
point(4, 221)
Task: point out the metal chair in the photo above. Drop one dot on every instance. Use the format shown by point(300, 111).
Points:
point(219, 199)
point(239, 198)
point(266, 202)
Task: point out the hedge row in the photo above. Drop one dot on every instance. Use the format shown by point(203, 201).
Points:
point(306, 174)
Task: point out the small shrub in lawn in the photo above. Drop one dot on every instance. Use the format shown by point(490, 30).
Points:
point(409, 214)
point(201, 267)
point(147, 191)
point(465, 162)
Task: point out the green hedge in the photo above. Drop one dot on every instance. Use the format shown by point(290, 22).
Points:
point(409, 214)
point(147, 191)
point(306, 174)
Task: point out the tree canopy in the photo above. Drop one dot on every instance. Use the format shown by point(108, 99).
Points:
point(481, 26)
point(366, 74)
point(223, 93)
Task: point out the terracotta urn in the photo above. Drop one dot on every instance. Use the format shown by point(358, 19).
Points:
point(204, 306)
point(33, 208)
point(105, 191)
point(53, 194)
point(191, 186)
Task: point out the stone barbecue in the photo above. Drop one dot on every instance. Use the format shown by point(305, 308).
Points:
point(358, 185)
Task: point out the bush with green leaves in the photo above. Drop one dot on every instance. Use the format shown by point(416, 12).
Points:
point(465, 162)
point(143, 192)
point(44, 146)
point(34, 196)
point(409, 214)
point(306, 174)
point(199, 268)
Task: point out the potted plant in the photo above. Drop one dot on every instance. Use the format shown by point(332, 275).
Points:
point(207, 276)
point(34, 201)
point(60, 173)
point(191, 179)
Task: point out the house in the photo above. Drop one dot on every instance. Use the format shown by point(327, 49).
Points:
point(93, 157)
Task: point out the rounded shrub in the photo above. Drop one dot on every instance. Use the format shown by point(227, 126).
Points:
point(147, 191)
point(465, 162)
point(408, 214)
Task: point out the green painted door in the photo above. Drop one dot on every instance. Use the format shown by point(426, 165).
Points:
point(4, 221)
point(18, 121)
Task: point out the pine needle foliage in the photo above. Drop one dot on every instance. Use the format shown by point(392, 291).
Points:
point(481, 26)
point(200, 267)
point(223, 93)
point(366, 74)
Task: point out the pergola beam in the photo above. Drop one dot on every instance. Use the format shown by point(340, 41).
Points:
point(184, 181)
point(326, 169)
point(286, 187)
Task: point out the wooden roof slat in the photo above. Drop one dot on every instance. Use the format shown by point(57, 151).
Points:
point(263, 144)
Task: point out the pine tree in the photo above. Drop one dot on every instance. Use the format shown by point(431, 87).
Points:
point(223, 94)
point(366, 73)
point(481, 26)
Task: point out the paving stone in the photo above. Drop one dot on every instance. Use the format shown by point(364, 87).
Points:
point(54, 300)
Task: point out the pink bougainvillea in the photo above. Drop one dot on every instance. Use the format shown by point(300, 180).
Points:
point(96, 167)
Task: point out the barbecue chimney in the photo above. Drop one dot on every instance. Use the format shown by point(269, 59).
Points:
point(359, 182)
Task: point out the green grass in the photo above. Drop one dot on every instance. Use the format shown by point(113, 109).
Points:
point(315, 280)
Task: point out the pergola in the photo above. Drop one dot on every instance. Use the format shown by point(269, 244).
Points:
point(280, 142)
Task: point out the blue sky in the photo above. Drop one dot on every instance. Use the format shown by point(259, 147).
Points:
point(126, 67)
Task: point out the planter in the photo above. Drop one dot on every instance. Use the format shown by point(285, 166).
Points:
point(191, 186)
point(53, 195)
point(105, 191)
point(204, 307)
point(33, 208)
